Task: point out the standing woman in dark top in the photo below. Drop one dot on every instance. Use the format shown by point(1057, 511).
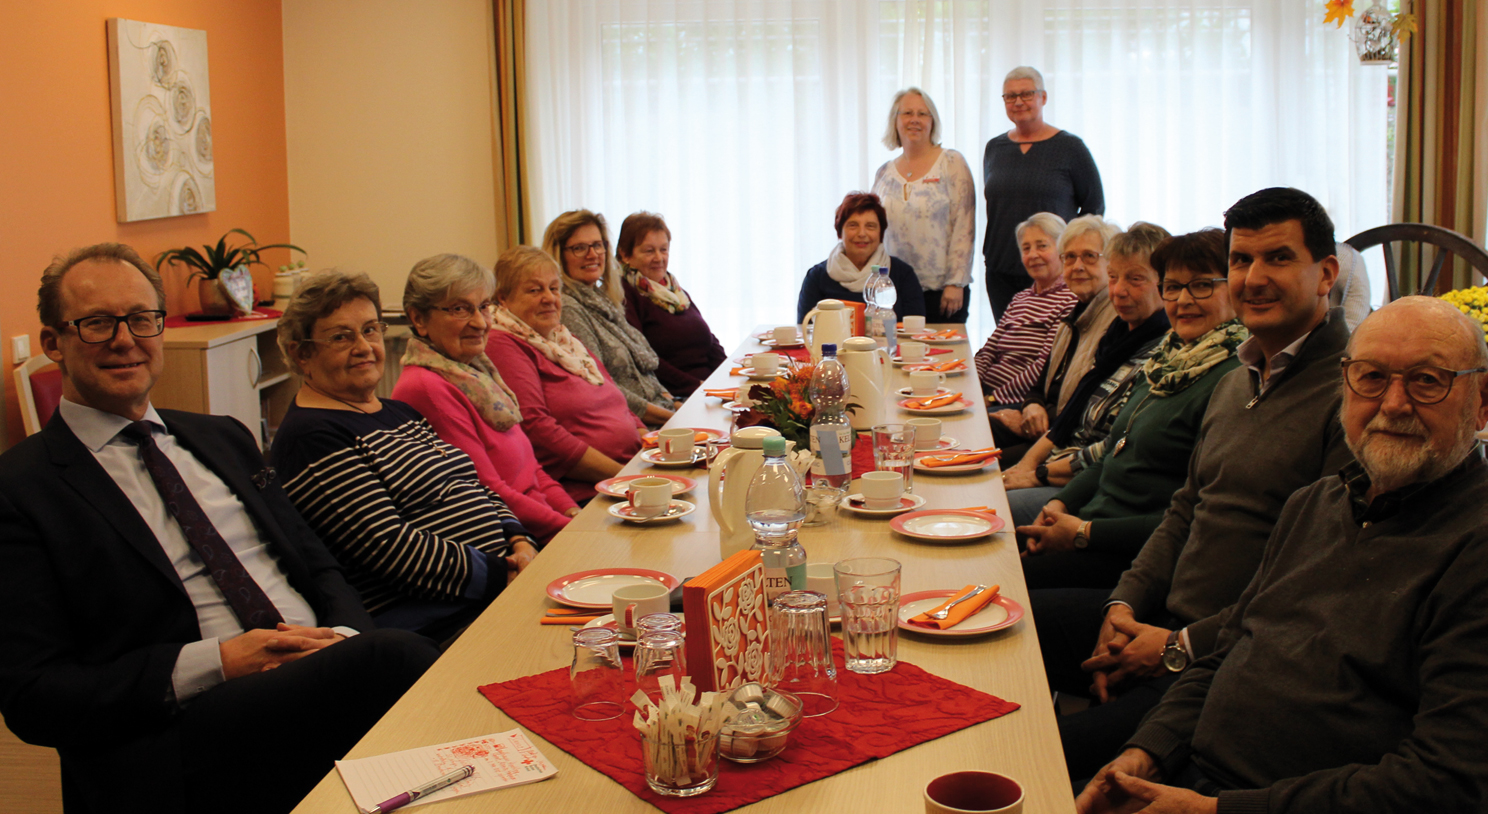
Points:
point(1034, 167)
point(658, 307)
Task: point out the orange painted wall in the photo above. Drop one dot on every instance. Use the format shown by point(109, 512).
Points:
point(56, 145)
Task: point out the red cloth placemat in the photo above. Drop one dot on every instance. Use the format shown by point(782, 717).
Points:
point(862, 454)
point(180, 320)
point(878, 716)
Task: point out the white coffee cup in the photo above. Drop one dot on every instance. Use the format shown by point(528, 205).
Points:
point(914, 324)
point(925, 382)
point(649, 497)
point(927, 432)
point(676, 444)
point(821, 578)
point(787, 335)
point(973, 793)
point(633, 603)
point(912, 352)
point(881, 490)
point(765, 364)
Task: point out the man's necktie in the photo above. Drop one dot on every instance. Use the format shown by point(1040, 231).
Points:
point(247, 600)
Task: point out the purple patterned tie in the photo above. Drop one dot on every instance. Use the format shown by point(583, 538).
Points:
point(248, 601)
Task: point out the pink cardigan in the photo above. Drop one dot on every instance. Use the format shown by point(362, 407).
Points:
point(563, 414)
point(504, 461)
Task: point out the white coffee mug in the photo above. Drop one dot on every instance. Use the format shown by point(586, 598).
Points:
point(925, 382)
point(914, 325)
point(912, 352)
point(676, 444)
point(821, 578)
point(927, 432)
point(881, 490)
point(787, 335)
point(765, 364)
point(633, 603)
point(649, 497)
point(973, 793)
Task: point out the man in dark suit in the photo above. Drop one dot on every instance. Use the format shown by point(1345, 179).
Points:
point(164, 682)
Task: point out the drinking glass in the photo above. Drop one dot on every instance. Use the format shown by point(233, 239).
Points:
point(658, 621)
point(801, 651)
point(596, 675)
point(868, 593)
point(893, 451)
point(658, 653)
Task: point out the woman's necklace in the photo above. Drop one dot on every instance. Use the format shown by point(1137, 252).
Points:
point(1141, 405)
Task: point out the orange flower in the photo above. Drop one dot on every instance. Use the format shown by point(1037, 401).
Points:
point(1338, 11)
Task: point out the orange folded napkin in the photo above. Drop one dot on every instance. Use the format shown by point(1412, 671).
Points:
point(982, 509)
point(570, 620)
point(961, 612)
point(650, 439)
point(954, 364)
point(949, 333)
point(979, 456)
point(726, 395)
point(932, 403)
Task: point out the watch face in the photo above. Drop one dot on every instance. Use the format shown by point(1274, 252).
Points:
point(1174, 658)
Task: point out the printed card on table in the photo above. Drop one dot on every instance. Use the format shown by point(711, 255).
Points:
point(733, 645)
point(500, 760)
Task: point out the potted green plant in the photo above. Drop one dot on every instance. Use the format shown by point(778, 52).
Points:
point(226, 284)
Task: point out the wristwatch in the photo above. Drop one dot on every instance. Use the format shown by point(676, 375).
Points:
point(1175, 656)
point(1082, 535)
point(1042, 473)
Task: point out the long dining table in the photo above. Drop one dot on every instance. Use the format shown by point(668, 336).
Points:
point(507, 642)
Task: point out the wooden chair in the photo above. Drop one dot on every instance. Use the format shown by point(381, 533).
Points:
point(1446, 241)
point(39, 390)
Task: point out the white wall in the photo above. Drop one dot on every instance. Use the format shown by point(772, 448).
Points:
point(391, 133)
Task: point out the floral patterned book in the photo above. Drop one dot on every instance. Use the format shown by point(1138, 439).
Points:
point(732, 646)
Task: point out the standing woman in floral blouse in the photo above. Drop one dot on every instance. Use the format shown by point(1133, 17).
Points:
point(931, 202)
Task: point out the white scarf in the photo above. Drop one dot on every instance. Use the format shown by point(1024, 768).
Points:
point(851, 277)
point(561, 349)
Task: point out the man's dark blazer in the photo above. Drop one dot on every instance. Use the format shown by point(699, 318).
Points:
point(92, 615)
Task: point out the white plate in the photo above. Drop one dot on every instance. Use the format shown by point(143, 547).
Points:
point(947, 525)
point(907, 503)
point(914, 366)
point(593, 588)
point(653, 457)
point(756, 376)
point(909, 391)
point(961, 338)
point(1001, 612)
point(618, 486)
point(676, 511)
point(959, 405)
point(769, 342)
point(929, 357)
point(946, 442)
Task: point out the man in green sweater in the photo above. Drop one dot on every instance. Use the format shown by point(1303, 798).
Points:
point(1270, 429)
point(1349, 676)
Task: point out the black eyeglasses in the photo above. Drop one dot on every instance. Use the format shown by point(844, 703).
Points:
point(464, 311)
point(1424, 384)
point(100, 329)
point(1198, 289)
point(341, 340)
point(1020, 96)
point(581, 249)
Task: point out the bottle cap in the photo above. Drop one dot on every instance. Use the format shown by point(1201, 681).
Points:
point(774, 445)
point(829, 349)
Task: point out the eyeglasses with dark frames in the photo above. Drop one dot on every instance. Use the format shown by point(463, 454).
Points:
point(341, 340)
point(464, 311)
point(1198, 289)
point(582, 249)
point(97, 330)
point(1424, 384)
point(1020, 96)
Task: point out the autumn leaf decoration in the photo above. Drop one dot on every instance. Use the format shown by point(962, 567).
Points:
point(1338, 11)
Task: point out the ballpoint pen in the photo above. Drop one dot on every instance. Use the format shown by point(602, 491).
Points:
point(419, 791)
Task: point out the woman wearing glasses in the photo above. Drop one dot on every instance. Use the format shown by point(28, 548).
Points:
point(1034, 167)
point(1087, 534)
point(594, 312)
point(448, 378)
point(656, 305)
point(422, 540)
point(931, 204)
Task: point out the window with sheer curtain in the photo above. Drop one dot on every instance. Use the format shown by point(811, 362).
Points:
point(744, 122)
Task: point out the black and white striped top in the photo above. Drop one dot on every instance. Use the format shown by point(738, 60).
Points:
point(402, 510)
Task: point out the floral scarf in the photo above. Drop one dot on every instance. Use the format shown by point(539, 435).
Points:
point(1178, 364)
point(851, 277)
point(612, 321)
point(479, 381)
point(562, 348)
point(669, 296)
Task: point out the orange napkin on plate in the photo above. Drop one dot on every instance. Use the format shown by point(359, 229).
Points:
point(949, 333)
point(954, 364)
point(979, 456)
point(932, 403)
point(650, 438)
point(726, 395)
point(582, 620)
point(961, 612)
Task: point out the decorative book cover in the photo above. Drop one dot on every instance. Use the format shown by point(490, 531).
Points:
point(732, 644)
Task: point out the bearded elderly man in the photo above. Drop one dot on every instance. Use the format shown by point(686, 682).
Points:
point(1350, 675)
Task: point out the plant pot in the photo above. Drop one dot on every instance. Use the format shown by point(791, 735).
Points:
point(212, 298)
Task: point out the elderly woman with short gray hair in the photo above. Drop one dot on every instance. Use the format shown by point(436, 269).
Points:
point(422, 540)
point(448, 378)
point(1015, 353)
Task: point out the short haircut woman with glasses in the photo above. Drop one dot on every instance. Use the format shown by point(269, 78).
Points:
point(423, 541)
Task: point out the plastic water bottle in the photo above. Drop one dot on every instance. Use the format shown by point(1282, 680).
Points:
point(872, 314)
point(831, 434)
point(775, 507)
point(885, 296)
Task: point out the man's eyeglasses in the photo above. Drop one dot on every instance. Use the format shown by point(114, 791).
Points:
point(343, 339)
point(1198, 289)
point(1424, 384)
point(581, 249)
point(1020, 96)
point(464, 311)
point(100, 329)
point(1090, 258)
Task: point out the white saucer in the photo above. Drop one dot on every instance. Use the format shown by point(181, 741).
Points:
point(907, 503)
point(676, 511)
point(755, 375)
point(653, 457)
point(946, 442)
point(909, 391)
point(911, 367)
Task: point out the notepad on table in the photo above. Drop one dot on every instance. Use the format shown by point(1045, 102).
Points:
point(500, 760)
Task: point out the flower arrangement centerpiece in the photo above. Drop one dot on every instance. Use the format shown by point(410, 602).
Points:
point(783, 403)
point(1471, 301)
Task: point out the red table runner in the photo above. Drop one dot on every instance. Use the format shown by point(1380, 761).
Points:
point(877, 716)
point(180, 320)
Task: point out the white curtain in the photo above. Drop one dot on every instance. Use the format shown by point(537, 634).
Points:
point(744, 122)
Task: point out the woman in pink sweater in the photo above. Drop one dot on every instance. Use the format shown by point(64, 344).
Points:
point(448, 378)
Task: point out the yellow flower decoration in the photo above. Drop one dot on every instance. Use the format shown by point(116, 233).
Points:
point(1404, 25)
point(1471, 301)
point(1338, 11)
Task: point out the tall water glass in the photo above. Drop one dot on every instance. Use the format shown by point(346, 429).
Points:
point(596, 675)
point(658, 653)
point(801, 651)
point(893, 451)
point(868, 593)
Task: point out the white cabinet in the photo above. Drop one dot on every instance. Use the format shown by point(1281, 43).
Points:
point(230, 368)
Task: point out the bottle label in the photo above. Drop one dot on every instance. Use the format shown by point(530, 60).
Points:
point(778, 581)
point(831, 453)
point(796, 575)
point(891, 333)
